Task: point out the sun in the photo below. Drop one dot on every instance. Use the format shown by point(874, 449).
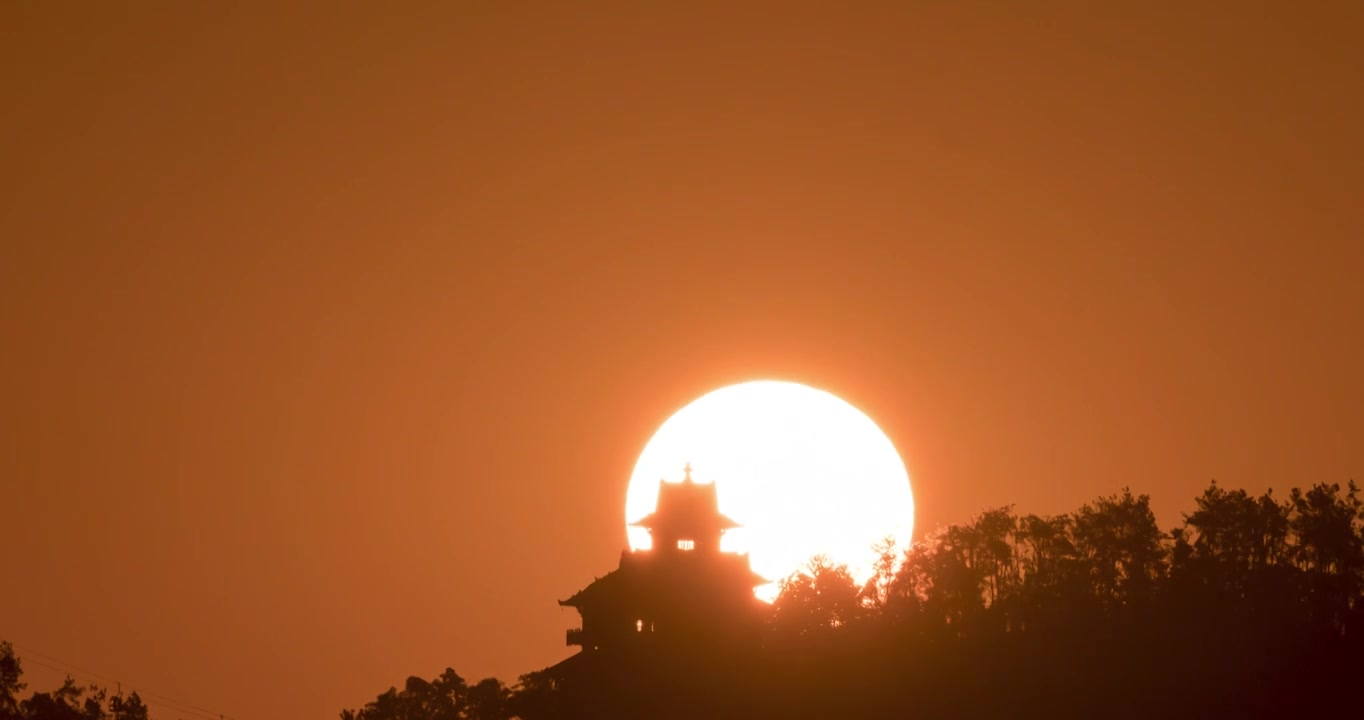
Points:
point(801, 470)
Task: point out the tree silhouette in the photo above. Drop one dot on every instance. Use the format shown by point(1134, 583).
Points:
point(129, 708)
point(1120, 543)
point(445, 697)
point(819, 597)
point(69, 701)
point(1250, 608)
point(10, 687)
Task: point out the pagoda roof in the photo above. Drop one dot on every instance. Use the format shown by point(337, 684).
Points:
point(653, 520)
point(611, 584)
point(687, 504)
point(643, 573)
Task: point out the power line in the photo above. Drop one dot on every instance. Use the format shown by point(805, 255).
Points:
point(189, 710)
point(82, 676)
point(149, 701)
point(150, 698)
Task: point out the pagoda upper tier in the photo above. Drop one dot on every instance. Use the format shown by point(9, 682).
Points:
point(686, 517)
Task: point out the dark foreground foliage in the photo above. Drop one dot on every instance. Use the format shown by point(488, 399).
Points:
point(68, 702)
point(1252, 608)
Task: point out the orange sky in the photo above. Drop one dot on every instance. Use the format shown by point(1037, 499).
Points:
point(329, 337)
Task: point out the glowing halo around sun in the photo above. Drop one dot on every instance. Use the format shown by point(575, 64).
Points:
point(803, 471)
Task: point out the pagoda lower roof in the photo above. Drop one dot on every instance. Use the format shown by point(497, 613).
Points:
point(642, 571)
point(718, 521)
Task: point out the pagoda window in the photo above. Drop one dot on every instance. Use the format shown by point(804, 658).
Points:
point(639, 626)
point(686, 544)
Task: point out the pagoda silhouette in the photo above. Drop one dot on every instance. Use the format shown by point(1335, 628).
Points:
point(682, 594)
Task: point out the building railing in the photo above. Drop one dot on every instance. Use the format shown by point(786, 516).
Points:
point(574, 636)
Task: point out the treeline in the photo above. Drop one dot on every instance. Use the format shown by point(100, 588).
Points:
point(68, 702)
point(1251, 608)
